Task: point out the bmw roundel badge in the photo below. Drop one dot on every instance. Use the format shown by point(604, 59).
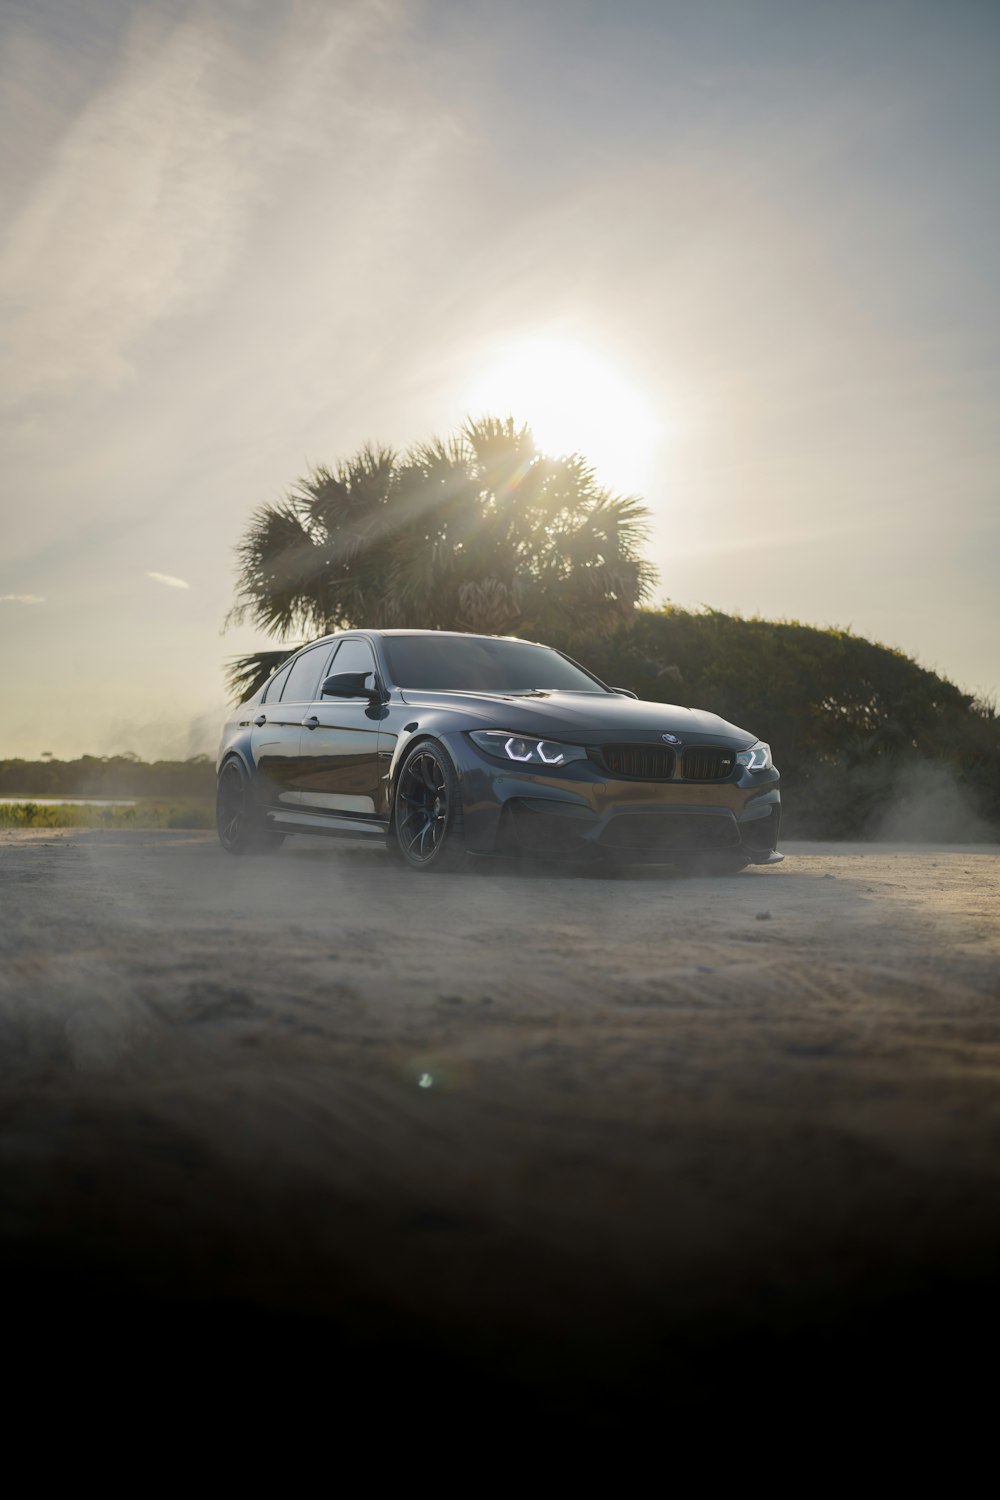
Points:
point(671, 739)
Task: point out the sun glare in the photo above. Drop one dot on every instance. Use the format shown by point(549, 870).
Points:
point(574, 401)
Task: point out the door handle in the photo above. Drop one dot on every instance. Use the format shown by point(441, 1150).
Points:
point(311, 722)
point(260, 719)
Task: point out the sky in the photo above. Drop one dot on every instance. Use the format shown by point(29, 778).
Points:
point(742, 253)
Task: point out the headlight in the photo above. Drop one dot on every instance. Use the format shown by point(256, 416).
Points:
point(757, 758)
point(525, 749)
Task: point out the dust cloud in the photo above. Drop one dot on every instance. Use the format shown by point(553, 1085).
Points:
point(931, 806)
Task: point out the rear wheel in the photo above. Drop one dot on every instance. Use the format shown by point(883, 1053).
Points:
point(241, 827)
point(428, 822)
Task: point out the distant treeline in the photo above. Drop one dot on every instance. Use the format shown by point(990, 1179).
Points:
point(108, 776)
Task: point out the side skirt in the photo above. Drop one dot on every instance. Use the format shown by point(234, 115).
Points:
point(336, 828)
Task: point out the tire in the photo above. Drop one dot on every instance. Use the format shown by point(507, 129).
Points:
point(428, 825)
point(241, 826)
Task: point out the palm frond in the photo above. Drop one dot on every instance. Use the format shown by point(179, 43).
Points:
point(246, 675)
point(478, 526)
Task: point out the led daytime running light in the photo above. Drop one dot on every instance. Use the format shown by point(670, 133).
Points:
point(553, 760)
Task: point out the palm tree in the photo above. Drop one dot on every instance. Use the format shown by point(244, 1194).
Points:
point(479, 531)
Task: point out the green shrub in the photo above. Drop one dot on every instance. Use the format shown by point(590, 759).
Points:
point(198, 813)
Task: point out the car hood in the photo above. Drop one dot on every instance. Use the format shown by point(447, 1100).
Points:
point(584, 718)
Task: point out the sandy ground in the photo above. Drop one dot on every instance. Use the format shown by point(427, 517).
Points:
point(577, 1140)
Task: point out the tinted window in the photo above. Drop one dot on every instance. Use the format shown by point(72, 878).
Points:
point(303, 680)
point(477, 663)
point(353, 656)
point(273, 689)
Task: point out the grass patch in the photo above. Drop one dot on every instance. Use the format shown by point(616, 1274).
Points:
point(193, 813)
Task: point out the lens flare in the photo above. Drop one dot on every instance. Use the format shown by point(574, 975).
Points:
point(575, 401)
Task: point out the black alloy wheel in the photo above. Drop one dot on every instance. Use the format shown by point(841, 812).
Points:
point(240, 827)
point(428, 821)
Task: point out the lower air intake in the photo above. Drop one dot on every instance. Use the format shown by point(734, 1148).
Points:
point(671, 832)
point(761, 834)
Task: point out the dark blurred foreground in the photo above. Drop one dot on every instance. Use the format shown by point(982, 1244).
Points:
point(268, 1292)
point(481, 1157)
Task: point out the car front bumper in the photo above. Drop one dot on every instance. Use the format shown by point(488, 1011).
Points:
point(579, 811)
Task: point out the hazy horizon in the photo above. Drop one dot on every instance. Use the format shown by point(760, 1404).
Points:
point(742, 255)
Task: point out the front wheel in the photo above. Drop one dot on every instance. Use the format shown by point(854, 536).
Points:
point(428, 823)
point(239, 823)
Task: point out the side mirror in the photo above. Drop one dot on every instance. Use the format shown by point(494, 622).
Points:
point(625, 692)
point(351, 685)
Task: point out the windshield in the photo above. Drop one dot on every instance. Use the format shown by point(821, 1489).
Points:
point(481, 664)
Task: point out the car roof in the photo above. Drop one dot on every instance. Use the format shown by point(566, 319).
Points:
point(462, 635)
point(475, 635)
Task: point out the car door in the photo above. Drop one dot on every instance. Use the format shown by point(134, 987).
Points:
point(277, 731)
point(340, 771)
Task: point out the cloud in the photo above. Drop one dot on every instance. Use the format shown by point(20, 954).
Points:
point(169, 580)
point(131, 218)
point(139, 209)
point(24, 598)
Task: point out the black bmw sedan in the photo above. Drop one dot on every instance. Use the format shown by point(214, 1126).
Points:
point(448, 747)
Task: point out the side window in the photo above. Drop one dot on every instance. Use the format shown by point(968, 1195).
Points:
point(353, 656)
point(273, 689)
point(303, 679)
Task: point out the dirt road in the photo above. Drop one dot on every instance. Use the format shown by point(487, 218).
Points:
point(572, 1135)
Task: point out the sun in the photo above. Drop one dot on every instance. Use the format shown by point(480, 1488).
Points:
point(575, 401)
